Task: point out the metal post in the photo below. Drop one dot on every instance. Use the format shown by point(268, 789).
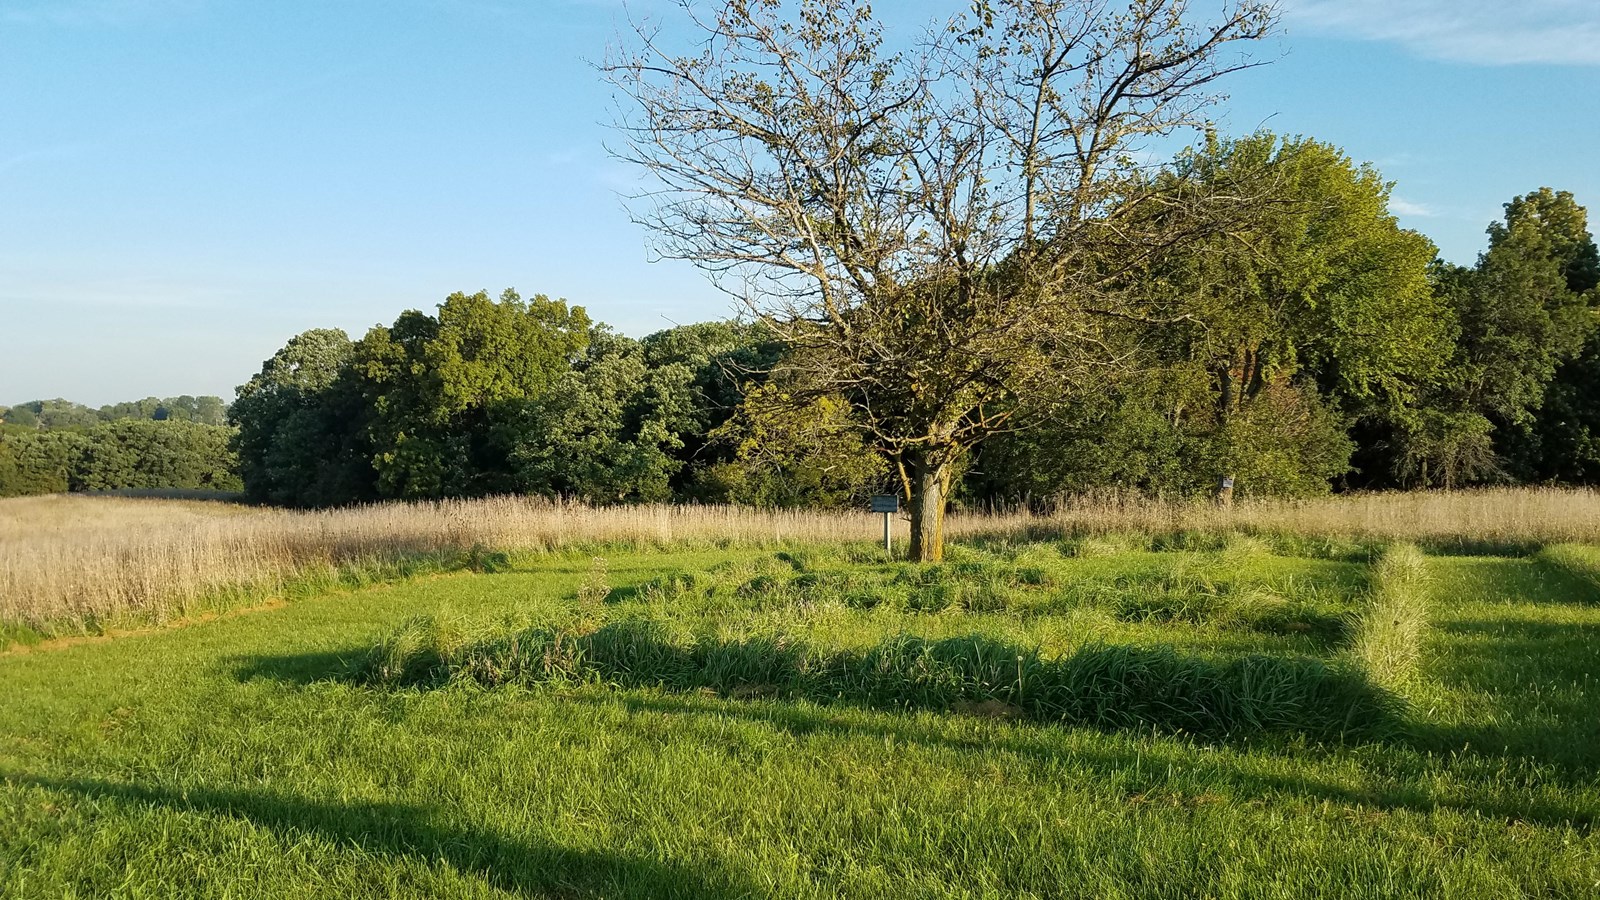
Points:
point(888, 544)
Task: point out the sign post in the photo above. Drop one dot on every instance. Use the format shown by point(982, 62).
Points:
point(888, 504)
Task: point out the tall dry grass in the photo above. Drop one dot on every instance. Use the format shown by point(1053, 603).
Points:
point(1491, 516)
point(83, 561)
point(73, 563)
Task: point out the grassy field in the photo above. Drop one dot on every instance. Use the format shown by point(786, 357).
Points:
point(1204, 713)
point(76, 565)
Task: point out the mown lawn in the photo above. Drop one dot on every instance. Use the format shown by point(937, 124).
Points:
point(266, 754)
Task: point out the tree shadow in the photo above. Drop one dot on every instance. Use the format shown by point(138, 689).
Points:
point(1533, 581)
point(530, 867)
point(1466, 545)
point(1105, 686)
point(1533, 681)
point(1155, 762)
point(300, 669)
point(1040, 742)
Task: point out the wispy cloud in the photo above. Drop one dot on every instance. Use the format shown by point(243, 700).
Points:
point(1485, 32)
point(132, 293)
point(22, 158)
point(1403, 207)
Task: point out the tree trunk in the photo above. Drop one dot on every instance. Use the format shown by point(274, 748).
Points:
point(928, 480)
point(1225, 491)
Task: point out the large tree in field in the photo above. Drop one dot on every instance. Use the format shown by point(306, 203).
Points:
point(936, 230)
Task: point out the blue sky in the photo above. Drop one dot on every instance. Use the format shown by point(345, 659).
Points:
point(185, 184)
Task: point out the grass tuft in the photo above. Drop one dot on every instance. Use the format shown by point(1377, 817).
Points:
point(1577, 562)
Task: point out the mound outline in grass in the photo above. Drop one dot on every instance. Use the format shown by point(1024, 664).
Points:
point(1386, 637)
point(1104, 686)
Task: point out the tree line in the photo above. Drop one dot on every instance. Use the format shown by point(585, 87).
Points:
point(1332, 352)
point(60, 413)
point(117, 455)
point(54, 446)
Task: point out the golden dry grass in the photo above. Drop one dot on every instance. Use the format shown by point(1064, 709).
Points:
point(82, 562)
point(92, 560)
point(1485, 516)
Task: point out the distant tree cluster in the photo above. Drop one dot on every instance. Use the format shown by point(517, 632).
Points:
point(492, 396)
point(125, 453)
point(52, 446)
point(59, 413)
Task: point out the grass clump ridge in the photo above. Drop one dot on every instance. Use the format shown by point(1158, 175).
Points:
point(1100, 685)
point(1386, 637)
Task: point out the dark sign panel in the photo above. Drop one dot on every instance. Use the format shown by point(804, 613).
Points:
point(885, 503)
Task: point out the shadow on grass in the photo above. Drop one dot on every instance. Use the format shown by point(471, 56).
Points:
point(301, 668)
point(1562, 585)
point(1146, 770)
point(1538, 686)
point(1109, 687)
point(1482, 547)
point(1498, 580)
point(522, 866)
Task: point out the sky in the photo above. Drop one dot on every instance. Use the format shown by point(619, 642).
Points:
point(186, 184)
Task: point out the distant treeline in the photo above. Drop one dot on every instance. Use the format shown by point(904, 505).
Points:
point(58, 413)
point(53, 446)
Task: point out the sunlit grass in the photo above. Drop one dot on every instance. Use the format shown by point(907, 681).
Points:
point(250, 756)
point(86, 565)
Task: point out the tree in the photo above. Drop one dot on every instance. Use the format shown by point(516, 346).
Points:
point(1319, 287)
point(1518, 316)
point(302, 425)
point(927, 230)
point(725, 360)
point(1157, 434)
point(1546, 238)
point(42, 462)
point(143, 453)
point(53, 414)
point(209, 410)
point(607, 430)
point(787, 456)
point(433, 382)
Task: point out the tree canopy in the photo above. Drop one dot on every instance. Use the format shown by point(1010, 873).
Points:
point(926, 231)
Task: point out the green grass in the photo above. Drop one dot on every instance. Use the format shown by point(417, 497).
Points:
point(1386, 639)
point(719, 726)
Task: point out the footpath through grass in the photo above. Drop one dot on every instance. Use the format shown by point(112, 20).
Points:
point(735, 725)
